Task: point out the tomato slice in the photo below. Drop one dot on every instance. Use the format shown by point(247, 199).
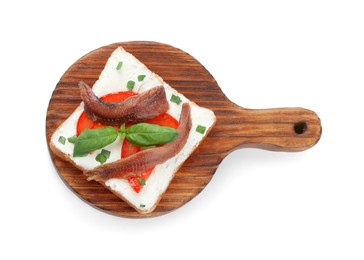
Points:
point(84, 122)
point(129, 149)
point(118, 96)
point(134, 180)
point(135, 184)
point(163, 120)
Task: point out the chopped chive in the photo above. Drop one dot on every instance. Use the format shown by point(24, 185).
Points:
point(176, 99)
point(201, 129)
point(105, 153)
point(130, 85)
point(120, 64)
point(101, 158)
point(141, 181)
point(72, 139)
point(142, 205)
point(141, 77)
point(62, 139)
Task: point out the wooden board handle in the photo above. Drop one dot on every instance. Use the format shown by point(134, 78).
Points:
point(279, 129)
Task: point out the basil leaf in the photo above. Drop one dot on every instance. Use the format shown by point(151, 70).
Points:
point(122, 131)
point(72, 139)
point(144, 134)
point(90, 140)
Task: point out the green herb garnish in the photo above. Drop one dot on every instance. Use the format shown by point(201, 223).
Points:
point(141, 181)
point(72, 139)
point(105, 153)
point(130, 85)
point(101, 158)
point(201, 129)
point(144, 134)
point(176, 99)
point(141, 77)
point(142, 205)
point(62, 139)
point(122, 131)
point(92, 139)
point(120, 64)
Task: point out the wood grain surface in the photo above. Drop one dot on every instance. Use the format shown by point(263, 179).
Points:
point(280, 129)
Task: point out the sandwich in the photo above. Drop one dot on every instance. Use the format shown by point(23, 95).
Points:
point(131, 132)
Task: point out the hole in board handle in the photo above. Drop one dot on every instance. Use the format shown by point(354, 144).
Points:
point(300, 127)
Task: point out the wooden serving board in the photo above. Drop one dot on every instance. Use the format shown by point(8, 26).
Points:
point(281, 129)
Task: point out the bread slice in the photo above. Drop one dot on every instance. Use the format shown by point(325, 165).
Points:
point(113, 80)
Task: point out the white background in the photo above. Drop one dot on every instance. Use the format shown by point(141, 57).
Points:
point(260, 204)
